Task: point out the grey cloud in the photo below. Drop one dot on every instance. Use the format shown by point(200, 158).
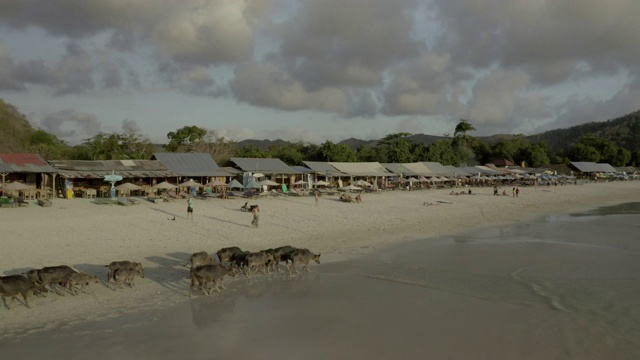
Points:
point(130, 126)
point(189, 31)
point(71, 124)
point(575, 111)
point(551, 40)
point(500, 97)
point(267, 85)
point(347, 43)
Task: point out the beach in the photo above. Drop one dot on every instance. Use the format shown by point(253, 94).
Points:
point(88, 236)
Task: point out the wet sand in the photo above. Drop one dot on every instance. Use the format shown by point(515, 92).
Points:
point(558, 287)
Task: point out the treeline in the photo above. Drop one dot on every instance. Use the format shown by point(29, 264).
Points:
point(17, 135)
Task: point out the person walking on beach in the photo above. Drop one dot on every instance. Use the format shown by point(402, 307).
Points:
point(513, 192)
point(256, 216)
point(190, 208)
point(316, 196)
point(517, 191)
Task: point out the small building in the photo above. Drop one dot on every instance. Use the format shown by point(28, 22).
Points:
point(30, 169)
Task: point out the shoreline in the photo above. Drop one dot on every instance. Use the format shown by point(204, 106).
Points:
point(87, 236)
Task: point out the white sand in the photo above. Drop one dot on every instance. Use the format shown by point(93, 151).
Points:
point(87, 236)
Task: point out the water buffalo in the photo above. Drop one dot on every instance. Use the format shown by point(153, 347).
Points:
point(12, 285)
point(281, 254)
point(209, 273)
point(302, 256)
point(199, 259)
point(51, 275)
point(227, 254)
point(78, 278)
point(238, 259)
point(257, 260)
point(127, 276)
point(123, 265)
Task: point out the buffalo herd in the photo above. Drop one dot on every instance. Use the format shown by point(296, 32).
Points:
point(204, 269)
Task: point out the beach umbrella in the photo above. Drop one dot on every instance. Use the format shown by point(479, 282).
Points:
point(351, 187)
point(235, 184)
point(362, 183)
point(128, 186)
point(299, 182)
point(215, 183)
point(190, 183)
point(252, 184)
point(268, 183)
point(258, 175)
point(17, 186)
point(164, 185)
point(321, 183)
point(422, 178)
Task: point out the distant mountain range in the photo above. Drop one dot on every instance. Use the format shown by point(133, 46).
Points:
point(623, 131)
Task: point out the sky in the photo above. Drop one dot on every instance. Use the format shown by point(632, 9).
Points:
point(317, 70)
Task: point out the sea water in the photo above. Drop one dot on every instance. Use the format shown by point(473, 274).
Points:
point(563, 287)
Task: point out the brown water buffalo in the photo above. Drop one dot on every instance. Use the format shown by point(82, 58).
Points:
point(52, 275)
point(14, 285)
point(239, 259)
point(227, 254)
point(78, 278)
point(257, 260)
point(209, 273)
point(127, 276)
point(302, 256)
point(123, 265)
point(199, 259)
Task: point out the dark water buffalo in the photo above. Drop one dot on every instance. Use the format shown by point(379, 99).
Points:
point(302, 256)
point(14, 285)
point(123, 265)
point(51, 275)
point(238, 259)
point(281, 254)
point(227, 254)
point(257, 260)
point(199, 259)
point(209, 273)
point(78, 278)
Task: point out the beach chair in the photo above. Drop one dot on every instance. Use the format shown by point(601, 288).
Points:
point(44, 202)
point(123, 201)
point(20, 202)
point(6, 203)
point(171, 195)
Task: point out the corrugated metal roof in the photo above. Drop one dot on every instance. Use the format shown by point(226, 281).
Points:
point(265, 166)
point(593, 167)
point(323, 168)
point(301, 169)
point(190, 164)
point(86, 174)
point(362, 168)
point(409, 169)
point(435, 167)
point(109, 165)
point(20, 162)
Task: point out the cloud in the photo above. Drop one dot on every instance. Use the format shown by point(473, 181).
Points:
point(130, 126)
point(189, 31)
point(71, 125)
point(550, 40)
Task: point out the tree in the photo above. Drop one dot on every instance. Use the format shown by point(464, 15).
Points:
point(113, 146)
point(184, 139)
point(220, 149)
point(250, 151)
point(289, 154)
point(47, 145)
point(367, 153)
point(442, 151)
point(337, 152)
point(396, 148)
point(463, 143)
point(582, 152)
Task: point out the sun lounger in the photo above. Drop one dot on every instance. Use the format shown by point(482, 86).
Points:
point(44, 202)
point(124, 201)
point(6, 203)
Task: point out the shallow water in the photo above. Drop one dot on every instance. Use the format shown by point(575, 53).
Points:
point(567, 286)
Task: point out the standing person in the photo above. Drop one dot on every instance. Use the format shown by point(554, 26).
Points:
point(517, 191)
point(316, 196)
point(190, 208)
point(256, 215)
point(513, 192)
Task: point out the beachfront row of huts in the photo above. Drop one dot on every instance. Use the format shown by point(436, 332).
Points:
point(51, 177)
